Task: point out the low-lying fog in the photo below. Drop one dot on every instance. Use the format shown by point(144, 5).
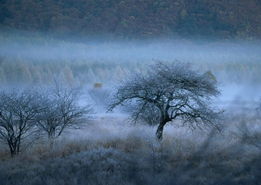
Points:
point(236, 64)
point(130, 51)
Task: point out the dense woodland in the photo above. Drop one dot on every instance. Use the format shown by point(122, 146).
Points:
point(135, 18)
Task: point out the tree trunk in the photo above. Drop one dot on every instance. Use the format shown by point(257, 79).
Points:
point(163, 120)
point(13, 150)
point(159, 132)
point(51, 142)
point(12, 147)
point(51, 138)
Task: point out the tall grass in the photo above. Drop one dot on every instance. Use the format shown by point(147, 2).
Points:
point(111, 151)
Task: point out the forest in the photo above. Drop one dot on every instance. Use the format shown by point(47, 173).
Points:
point(128, 19)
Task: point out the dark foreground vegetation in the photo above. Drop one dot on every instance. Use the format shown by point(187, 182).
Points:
point(134, 157)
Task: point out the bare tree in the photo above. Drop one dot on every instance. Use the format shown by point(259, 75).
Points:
point(168, 92)
point(18, 111)
point(60, 111)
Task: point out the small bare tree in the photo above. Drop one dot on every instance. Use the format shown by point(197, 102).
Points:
point(18, 112)
point(168, 92)
point(60, 111)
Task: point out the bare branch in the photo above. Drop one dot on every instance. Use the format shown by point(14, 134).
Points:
point(167, 92)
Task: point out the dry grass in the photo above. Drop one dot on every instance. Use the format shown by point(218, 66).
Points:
point(127, 154)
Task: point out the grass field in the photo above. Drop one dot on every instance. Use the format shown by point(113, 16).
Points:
point(110, 150)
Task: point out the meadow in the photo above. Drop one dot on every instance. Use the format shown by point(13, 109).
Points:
point(109, 148)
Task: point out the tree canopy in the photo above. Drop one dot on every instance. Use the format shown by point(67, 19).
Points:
point(168, 92)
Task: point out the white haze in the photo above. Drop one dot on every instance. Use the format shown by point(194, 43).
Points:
point(120, 51)
point(145, 52)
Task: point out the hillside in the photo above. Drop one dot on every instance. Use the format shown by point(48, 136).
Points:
point(135, 18)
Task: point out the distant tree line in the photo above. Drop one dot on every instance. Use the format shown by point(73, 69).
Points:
point(135, 18)
point(74, 72)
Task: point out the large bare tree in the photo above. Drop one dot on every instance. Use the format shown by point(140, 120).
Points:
point(60, 110)
point(18, 112)
point(167, 92)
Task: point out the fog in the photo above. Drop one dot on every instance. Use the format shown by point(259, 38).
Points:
point(35, 61)
point(235, 63)
point(45, 48)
